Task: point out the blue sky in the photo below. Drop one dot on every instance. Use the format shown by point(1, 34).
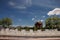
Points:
point(27, 12)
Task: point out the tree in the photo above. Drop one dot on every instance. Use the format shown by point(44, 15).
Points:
point(6, 22)
point(35, 28)
point(38, 24)
point(11, 27)
point(19, 28)
point(52, 22)
point(26, 28)
point(0, 22)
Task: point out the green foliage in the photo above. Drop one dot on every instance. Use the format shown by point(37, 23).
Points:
point(19, 28)
point(5, 22)
point(35, 28)
point(0, 22)
point(27, 28)
point(10, 27)
point(53, 22)
point(42, 29)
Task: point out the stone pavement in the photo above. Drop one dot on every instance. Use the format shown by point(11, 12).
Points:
point(24, 38)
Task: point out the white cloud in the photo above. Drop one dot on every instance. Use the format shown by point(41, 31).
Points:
point(20, 4)
point(56, 11)
point(20, 7)
point(50, 13)
point(37, 20)
point(43, 16)
point(28, 2)
point(14, 25)
point(28, 25)
point(41, 20)
point(12, 3)
point(33, 19)
point(16, 5)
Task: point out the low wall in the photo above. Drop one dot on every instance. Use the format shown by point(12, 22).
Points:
point(30, 33)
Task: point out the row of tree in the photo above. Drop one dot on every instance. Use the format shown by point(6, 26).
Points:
point(50, 23)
